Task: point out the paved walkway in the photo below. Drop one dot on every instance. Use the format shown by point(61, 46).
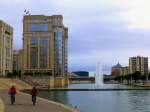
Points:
point(1, 106)
point(24, 104)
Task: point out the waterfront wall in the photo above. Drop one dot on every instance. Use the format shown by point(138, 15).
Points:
point(46, 82)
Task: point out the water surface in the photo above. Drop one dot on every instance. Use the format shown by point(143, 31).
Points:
point(102, 101)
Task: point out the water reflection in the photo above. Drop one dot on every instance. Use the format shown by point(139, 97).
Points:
point(55, 96)
point(92, 86)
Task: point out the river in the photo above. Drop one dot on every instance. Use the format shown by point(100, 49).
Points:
point(102, 101)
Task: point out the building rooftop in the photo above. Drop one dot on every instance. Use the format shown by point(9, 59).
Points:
point(117, 66)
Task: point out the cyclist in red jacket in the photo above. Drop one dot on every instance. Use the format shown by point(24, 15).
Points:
point(34, 92)
point(12, 92)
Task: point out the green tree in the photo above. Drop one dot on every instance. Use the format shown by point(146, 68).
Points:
point(127, 77)
point(136, 76)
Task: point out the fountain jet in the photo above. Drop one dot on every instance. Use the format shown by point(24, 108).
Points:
point(98, 76)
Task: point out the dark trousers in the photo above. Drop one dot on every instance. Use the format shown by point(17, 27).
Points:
point(34, 99)
point(12, 98)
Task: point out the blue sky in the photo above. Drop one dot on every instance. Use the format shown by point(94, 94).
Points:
point(108, 31)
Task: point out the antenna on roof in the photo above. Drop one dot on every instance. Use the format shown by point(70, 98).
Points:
point(27, 12)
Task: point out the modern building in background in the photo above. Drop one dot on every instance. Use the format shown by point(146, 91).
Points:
point(6, 37)
point(45, 41)
point(81, 74)
point(116, 70)
point(138, 64)
point(17, 61)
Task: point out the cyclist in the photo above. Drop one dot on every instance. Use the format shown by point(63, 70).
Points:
point(12, 92)
point(34, 92)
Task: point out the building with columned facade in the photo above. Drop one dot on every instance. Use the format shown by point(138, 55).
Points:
point(6, 56)
point(45, 41)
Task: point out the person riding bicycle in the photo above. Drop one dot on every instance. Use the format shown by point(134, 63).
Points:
point(34, 92)
point(12, 92)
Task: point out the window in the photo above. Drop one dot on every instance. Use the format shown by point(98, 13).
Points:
point(38, 27)
point(43, 41)
point(34, 41)
point(38, 20)
point(33, 57)
point(43, 56)
point(58, 51)
point(66, 55)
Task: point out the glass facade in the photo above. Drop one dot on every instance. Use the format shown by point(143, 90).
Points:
point(41, 46)
point(33, 41)
point(66, 56)
point(43, 51)
point(33, 57)
point(38, 53)
point(38, 27)
point(43, 41)
point(58, 52)
point(43, 57)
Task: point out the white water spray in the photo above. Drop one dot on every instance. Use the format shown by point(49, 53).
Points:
point(98, 76)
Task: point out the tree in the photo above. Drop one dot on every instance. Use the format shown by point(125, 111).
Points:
point(118, 78)
point(143, 78)
point(127, 78)
point(136, 76)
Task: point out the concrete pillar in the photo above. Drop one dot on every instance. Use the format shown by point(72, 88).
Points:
point(58, 82)
point(52, 82)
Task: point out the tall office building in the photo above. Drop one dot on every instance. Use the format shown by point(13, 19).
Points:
point(138, 64)
point(45, 46)
point(6, 37)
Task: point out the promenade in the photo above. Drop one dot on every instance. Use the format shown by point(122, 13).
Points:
point(24, 104)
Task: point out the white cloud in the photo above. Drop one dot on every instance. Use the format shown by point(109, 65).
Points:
point(137, 15)
point(136, 12)
point(14, 2)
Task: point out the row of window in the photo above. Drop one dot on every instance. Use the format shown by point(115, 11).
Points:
point(39, 20)
point(39, 41)
point(34, 57)
point(39, 35)
point(38, 27)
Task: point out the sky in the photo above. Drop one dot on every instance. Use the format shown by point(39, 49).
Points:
point(105, 31)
